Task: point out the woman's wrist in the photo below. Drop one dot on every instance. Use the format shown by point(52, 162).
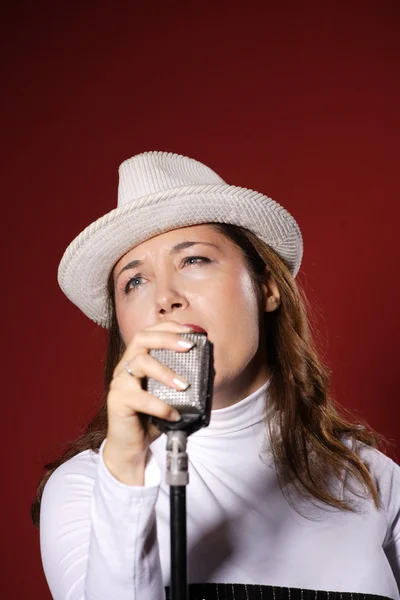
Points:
point(127, 466)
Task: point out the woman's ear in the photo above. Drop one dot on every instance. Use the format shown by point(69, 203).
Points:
point(271, 295)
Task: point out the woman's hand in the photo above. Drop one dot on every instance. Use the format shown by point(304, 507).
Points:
point(128, 435)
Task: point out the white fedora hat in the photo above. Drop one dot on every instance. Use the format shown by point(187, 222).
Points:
point(160, 191)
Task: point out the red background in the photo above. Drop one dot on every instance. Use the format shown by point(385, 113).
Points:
point(299, 100)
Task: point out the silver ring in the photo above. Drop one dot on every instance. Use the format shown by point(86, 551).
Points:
point(128, 369)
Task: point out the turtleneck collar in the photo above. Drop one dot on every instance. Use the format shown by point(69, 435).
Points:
point(241, 415)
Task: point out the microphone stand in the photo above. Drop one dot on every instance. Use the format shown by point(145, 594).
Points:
point(195, 410)
point(177, 478)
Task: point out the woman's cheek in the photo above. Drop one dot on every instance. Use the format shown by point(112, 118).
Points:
point(128, 322)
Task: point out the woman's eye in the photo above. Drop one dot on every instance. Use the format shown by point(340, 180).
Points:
point(194, 260)
point(133, 283)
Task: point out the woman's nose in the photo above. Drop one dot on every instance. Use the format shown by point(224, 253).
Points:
point(169, 299)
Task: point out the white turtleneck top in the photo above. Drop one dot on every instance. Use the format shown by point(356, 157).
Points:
point(102, 539)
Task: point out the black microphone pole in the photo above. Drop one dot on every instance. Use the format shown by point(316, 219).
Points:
point(194, 405)
point(177, 478)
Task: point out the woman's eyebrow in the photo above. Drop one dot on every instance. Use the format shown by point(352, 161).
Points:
point(131, 265)
point(184, 245)
point(174, 250)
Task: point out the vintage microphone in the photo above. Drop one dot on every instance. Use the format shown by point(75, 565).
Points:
point(194, 405)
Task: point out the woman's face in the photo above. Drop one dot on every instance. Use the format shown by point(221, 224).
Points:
point(196, 275)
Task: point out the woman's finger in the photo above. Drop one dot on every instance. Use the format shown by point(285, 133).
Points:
point(124, 404)
point(147, 340)
point(145, 365)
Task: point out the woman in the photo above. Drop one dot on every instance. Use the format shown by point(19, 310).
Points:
point(286, 497)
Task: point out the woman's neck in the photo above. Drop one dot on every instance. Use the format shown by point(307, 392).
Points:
point(229, 392)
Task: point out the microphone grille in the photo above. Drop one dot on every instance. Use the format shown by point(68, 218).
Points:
point(194, 367)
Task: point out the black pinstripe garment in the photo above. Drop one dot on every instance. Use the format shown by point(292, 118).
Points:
point(239, 591)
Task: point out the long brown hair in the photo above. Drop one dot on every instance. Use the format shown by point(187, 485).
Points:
point(311, 442)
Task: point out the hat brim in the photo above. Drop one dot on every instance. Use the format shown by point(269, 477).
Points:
point(87, 262)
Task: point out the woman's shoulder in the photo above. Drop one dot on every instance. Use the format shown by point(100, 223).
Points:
point(68, 492)
point(385, 473)
point(379, 464)
point(76, 472)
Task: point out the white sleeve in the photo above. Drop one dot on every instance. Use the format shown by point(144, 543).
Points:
point(390, 494)
point(97, 535)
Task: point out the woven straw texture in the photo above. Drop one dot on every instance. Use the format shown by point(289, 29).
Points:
point(160, 191)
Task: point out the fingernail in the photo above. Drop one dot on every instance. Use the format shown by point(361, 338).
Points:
point(175, 416)
point(180, 383)
point(185, 344)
